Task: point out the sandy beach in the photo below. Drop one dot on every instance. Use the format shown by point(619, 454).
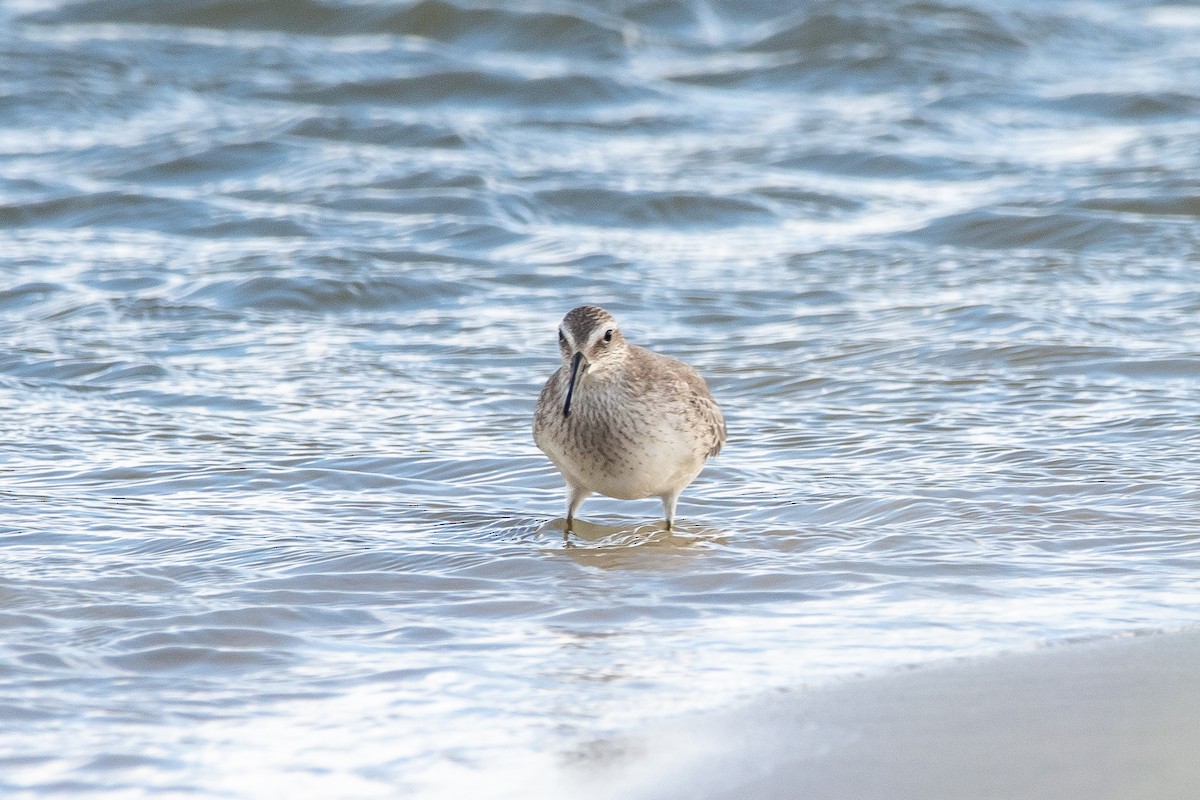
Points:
point(1116, 719)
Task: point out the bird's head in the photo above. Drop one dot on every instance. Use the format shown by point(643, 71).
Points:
point(589, 341)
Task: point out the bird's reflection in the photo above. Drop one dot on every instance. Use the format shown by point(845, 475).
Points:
point(627, 545)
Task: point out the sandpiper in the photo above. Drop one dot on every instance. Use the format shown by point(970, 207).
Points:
point(620, 420)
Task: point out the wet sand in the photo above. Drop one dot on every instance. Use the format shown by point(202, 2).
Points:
point(1113, 719)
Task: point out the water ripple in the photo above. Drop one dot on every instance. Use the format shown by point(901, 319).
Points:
point(279, 284)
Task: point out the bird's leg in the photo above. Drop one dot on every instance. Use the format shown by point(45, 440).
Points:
point(669, 500)
point(575, 497)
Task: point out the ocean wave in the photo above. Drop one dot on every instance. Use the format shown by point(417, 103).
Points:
point(576, 31)
point(1178, 206)
point(994, 229)
point(103, 209)
point(466, 87)
point(213, 162)
point(601, 206)
point(1131, 104)
point(379, 132)
point(323, 294)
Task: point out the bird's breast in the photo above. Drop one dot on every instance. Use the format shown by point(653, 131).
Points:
point(621, 448)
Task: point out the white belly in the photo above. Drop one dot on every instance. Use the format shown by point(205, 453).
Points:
point(663, 461)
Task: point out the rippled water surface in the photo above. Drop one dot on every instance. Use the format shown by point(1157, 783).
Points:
point(279, 284)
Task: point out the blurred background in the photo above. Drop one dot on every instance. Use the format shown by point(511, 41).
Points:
point(279, 284)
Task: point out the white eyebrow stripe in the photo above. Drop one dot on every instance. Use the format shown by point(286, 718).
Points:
point(597, 336)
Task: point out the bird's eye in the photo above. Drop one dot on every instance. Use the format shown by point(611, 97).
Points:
point(608, 335)
point(561, 338)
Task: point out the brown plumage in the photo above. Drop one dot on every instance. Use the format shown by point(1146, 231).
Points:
point(620, 420)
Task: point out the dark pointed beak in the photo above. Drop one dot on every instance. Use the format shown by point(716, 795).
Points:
point(578, 357)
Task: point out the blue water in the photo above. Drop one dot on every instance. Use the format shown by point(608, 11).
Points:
point(279, 284)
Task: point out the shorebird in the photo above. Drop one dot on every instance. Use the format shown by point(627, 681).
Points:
point(620, 420)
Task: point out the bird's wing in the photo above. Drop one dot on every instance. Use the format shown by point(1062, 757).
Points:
point(707, 412)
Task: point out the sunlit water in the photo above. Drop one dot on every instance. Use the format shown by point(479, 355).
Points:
point(279, 288)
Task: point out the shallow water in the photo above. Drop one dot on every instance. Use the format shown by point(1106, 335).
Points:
point(280, 287)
